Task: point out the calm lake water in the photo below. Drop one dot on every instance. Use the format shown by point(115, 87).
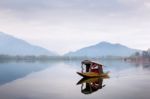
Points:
point(58, 80)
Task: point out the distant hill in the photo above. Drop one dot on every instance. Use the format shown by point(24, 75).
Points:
point(10, 45)
point(103, 49)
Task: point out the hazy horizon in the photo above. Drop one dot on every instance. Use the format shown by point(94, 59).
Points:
point(68, 25)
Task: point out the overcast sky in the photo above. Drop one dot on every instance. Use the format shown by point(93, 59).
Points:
point(68, 25)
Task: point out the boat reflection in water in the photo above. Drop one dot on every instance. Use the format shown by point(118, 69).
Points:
point(90, 85)
point(92, 77)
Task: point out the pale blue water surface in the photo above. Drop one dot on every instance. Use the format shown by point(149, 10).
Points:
point(58, 80)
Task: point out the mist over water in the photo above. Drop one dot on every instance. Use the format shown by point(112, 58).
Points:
point(58, 80)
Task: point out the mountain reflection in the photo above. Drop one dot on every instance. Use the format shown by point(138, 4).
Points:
point(90, 85)
point(10, 71)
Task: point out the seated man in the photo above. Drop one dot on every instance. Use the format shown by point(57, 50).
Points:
point(96, 68)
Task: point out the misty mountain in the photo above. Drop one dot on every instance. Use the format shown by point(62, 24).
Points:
point(103, 49)
point(10, 45)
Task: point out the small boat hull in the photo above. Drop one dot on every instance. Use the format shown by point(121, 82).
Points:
point(93, 74)
point(88, 80)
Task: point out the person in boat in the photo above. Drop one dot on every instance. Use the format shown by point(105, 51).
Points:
point(92, 66)
point(97, 68)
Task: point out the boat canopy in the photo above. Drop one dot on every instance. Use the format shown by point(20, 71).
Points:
point(88, 62)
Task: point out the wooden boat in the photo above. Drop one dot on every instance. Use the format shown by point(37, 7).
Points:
point(92, 69)
point(93, 74)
